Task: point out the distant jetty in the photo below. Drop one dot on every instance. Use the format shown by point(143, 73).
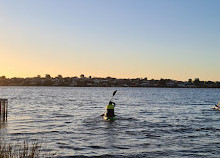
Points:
point(83, 81)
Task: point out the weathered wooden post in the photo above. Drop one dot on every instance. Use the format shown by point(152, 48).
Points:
point(3, 109)
point(6, 111)
point(0, 109)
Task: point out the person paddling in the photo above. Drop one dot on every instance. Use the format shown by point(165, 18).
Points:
point(110, 109)
point(110, 112)
point(217, 104)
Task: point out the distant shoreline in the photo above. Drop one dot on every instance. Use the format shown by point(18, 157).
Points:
point(117, 87)
point(83, 81)
point(112, 87)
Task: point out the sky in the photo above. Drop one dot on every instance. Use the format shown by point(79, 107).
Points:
point(170, 39)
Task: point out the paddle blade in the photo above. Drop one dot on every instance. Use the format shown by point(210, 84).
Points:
point(114, 92)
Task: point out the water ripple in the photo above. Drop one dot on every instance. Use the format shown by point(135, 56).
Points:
point(151, 122)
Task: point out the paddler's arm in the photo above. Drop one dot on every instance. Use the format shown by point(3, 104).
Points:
point(114, 104)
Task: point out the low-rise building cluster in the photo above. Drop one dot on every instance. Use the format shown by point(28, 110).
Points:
point(83, 81)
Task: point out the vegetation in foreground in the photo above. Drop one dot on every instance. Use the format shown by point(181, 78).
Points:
point(22, 150)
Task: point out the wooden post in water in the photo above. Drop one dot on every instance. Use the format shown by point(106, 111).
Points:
point(0, 109)
point(6, 109)
point(3, 109)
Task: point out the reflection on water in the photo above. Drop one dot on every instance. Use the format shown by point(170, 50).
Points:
point(3, 129)
point(152, 122)
point(3, 124)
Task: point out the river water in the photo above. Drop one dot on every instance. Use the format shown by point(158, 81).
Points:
point(152, 122)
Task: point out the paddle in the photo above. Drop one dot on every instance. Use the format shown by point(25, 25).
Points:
point(113, 94)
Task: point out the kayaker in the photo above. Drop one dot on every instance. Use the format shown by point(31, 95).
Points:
point(217, 104)
point(110, 109)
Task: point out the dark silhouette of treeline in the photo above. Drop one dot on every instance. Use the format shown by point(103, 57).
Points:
point(83, 81)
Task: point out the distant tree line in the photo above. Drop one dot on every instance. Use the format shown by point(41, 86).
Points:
point(90, 81)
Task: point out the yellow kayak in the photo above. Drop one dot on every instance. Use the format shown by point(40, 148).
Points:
point(215, 107)
point(109, 118)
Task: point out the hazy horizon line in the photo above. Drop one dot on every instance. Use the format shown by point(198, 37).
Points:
point(103, 77)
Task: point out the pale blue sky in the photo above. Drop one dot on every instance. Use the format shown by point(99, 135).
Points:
point(119, 38)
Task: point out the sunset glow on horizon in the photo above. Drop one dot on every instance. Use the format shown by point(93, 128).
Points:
point(123, 39)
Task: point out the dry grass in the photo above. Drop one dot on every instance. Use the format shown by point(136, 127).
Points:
point(22, 150)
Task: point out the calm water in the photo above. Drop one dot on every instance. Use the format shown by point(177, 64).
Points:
point(152, 122)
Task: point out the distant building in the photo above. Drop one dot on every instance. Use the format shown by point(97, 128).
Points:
point(145, 84)
point(170, 84)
